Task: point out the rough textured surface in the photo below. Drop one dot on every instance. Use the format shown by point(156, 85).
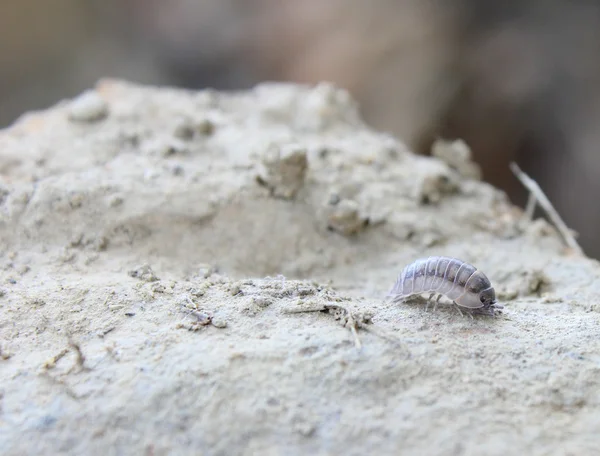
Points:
point(160, 249)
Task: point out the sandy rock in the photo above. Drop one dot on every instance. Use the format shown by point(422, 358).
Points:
point(264, 328)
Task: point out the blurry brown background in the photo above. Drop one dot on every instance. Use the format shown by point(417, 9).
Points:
point(517, 80)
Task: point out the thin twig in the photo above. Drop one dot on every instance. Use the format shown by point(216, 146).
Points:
point(318, 308)
point(545, 203)
point(339, 313)
point(80, 356)
point(530, 208)
point(352, 324)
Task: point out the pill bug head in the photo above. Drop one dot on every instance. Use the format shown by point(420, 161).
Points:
point(479, 294)
point(490, 305)
point(488, 297)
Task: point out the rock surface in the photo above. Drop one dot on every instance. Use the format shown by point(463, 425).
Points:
point(204, 273)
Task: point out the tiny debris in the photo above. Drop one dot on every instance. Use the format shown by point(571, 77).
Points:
point(201, 319)
point(100, 243)
point(205, 127)
point(197, 292)
point(106, 331)
point(535, 282)
point(50, 363)
point(88, 107)
point(551, 299)
point(143, 272)
point(283, 170)
point(329, 105)
point(184, 129)
point(161, 288)
point(166, 147)
point(538, 228)
point(4, 192)
point(345, 218)
point(36, 302)
point(262, 302)
point(66, 256)
point(186, 301)
point(524, 282)
point(177, 169)
point(304, 428)
point(79, 353)
point(235, 289)
point(431, 238)
point(5, 354)
point(115, 200)
point(334, 199)
point(351, 320)
point(305, 291)
point(457, 155)
point(219, 322)
point(206, 270)
point(507, 293)
point(188, 129)
point(433, 187)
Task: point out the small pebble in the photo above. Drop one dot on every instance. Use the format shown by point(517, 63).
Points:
point(345, 218)
point(261, 301)
point(88, 107)
point(184, 130)
point(115, 200)
point(219, 322)
point(177, 170)
point(167, 147)
point(205, 127)
point(143, 272)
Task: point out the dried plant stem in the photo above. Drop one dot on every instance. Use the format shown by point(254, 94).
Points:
point(536, 195)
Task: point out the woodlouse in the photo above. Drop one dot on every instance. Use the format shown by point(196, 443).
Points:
point(464, 284)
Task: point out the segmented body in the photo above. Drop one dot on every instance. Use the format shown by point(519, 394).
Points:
point(461, 282)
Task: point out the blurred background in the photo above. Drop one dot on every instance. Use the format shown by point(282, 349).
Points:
point(516, 79)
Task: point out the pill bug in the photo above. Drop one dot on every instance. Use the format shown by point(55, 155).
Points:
point(459, 281)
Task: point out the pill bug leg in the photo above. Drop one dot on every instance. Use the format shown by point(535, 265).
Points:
point(458, 308)
point(429, 301)
point(437, 302)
